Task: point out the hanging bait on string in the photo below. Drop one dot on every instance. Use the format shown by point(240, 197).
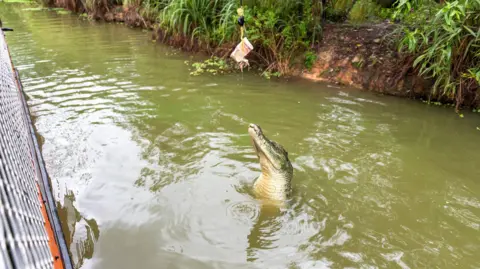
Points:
point(244, 47)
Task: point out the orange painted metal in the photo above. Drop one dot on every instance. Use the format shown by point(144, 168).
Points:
point(57, 260)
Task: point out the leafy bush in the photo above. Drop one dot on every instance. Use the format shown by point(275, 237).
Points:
point(447, 48)
point(282, 30)
point(310, 58)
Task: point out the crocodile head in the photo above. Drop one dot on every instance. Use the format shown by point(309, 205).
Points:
point(277, 171)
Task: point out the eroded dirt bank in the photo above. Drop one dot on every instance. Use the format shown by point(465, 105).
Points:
point(365, 57)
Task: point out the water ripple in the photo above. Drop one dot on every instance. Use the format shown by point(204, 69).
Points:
point(163, 161)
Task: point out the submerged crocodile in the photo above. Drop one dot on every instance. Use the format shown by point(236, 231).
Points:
point(274, 182)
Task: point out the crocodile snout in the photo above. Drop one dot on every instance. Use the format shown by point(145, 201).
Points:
point(255, 128)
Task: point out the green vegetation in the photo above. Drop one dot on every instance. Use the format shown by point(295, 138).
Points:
point(338, 10)
point(442, 38)
point(213, 66)
point(310, 58)
point(201, 20)
point(446, 47)
point(278, 30)
point(283, 30)
point(364, 10)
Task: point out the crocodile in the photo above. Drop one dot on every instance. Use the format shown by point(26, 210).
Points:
point(274, 182)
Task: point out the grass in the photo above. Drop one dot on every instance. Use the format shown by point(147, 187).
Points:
point(209, 21)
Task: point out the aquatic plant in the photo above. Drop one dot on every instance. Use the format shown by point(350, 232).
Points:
point(213, 65)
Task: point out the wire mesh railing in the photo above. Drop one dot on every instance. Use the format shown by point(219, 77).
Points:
point(31, 234)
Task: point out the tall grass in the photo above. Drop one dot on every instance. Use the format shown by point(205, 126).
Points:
point(205, 20)
point(151, 8)
point(447, 49)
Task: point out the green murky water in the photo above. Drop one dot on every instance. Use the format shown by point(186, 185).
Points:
point(149, 165)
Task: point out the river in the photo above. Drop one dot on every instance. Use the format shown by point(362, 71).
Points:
point(151, 167)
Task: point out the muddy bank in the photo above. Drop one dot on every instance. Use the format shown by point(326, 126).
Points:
point(366, 57)
point(360, 56)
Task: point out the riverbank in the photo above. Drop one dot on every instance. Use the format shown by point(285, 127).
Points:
point(360, 56)
point(363, 56)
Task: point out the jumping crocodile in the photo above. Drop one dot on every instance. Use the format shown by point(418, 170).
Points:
point(274, 182)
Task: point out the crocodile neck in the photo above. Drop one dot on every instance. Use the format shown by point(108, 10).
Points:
point(270, 186)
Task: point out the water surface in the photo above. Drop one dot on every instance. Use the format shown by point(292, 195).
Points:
point(151, 166)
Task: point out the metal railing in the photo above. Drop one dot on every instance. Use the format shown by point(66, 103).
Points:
point(31, 233)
